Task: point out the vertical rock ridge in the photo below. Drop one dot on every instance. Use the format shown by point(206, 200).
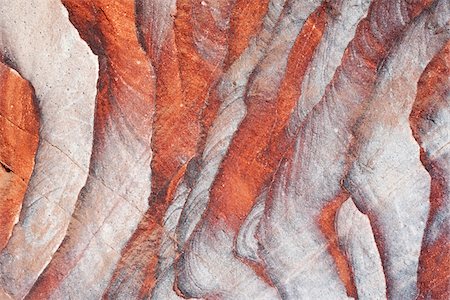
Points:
point(231, 91)
point(285, 34)
point(306, 181)
point(358, 243)
point(188, 37)
point(430, 124)
point(381, 157)
point(48, 58)
point(118, 185)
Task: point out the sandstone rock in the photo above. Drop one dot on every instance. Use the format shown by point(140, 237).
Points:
point(224, 149)
point(19, 127)
point(357, 241)
point(49, 58)
point(430, 124)
point(118, 185)
point(308, 181)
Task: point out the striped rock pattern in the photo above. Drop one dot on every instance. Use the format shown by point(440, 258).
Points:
point(224, 149)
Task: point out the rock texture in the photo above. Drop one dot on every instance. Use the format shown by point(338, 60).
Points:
point(224, 149)
point(430, 124)
point(19, 129)
point(49, 58)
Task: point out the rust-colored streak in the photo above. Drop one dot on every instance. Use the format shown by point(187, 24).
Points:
point(185, 74)
point(249, 164)
point(245, 23)
point(173, 142)
point(19, 123)
point(434, 274)
point(326, 223)
point(184, 77)
point(124, 101)
point(140, 257)
point(186, 70)
point(434, 265)
point(19, 130)
point(109, 29)
point(154, 221)
point(135, 264)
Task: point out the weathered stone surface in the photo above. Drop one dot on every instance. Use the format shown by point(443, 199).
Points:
point(381, 157)
point(430, 122)
point(118, 185)
point(186, 43)
point(356, 240)
point(224, 149)
point(41, 43)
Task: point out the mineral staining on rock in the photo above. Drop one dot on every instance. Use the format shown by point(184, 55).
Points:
point(224, 149)
point(19, 136)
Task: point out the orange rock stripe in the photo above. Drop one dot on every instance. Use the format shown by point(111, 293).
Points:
point(184, 112)
point(109, 29)
point(249, 164)
point(245, 23)
point(19, 130)
point(434, 272)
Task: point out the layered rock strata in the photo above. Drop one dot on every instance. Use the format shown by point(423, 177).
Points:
point(224, 149)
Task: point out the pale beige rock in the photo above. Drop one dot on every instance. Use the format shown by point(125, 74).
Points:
point(388, 181)
point(358, 243)
point(47, 50)
point(293, 246)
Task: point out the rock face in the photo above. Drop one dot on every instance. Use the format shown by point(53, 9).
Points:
point(430, 122)
point(49, 58)
point(224, 149)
